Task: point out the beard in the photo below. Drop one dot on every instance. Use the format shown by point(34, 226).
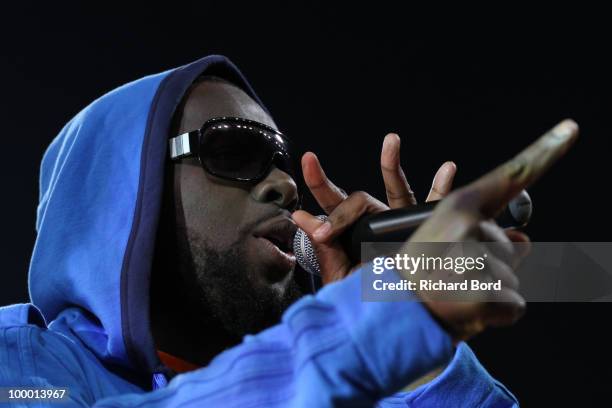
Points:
point(229, 290)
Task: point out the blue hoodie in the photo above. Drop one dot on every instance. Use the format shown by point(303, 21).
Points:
point(87, 327)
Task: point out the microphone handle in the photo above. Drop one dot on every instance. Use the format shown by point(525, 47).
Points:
point(399, 224)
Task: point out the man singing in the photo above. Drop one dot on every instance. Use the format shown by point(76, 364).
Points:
point(163, 274)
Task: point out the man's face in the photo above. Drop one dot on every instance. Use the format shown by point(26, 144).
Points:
point(240, 277)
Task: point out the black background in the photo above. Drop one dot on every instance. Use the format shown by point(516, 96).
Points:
point(337, 80)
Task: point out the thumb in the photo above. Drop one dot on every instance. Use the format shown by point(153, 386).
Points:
point(333, 262)
point(307, 222)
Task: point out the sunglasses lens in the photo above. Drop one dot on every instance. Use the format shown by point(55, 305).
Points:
point(240, 151)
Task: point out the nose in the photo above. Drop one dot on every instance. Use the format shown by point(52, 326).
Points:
point(277, 187)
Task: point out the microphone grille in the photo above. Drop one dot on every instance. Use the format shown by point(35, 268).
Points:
point(304, 251)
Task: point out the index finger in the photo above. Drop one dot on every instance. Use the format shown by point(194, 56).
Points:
point(399, 193)
point(492, 192)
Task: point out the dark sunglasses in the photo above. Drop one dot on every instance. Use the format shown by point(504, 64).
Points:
point(235, 149)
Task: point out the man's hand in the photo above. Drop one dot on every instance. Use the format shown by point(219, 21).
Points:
point(343, 210)
point(465, 215)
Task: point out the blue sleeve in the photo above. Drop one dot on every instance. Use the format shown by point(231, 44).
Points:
point(463, 383)
point(329, 349)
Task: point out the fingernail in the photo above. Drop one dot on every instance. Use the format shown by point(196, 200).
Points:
point(391, 138)
point(565, 129)
point(322, 231)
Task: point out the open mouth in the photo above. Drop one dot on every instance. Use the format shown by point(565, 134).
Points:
point(280, 244)
point(275, 238)
point(280, 232)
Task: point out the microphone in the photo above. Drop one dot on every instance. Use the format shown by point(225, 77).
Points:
point(397, 225)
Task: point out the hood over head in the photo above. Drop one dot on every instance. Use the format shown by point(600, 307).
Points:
point(101, 183)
